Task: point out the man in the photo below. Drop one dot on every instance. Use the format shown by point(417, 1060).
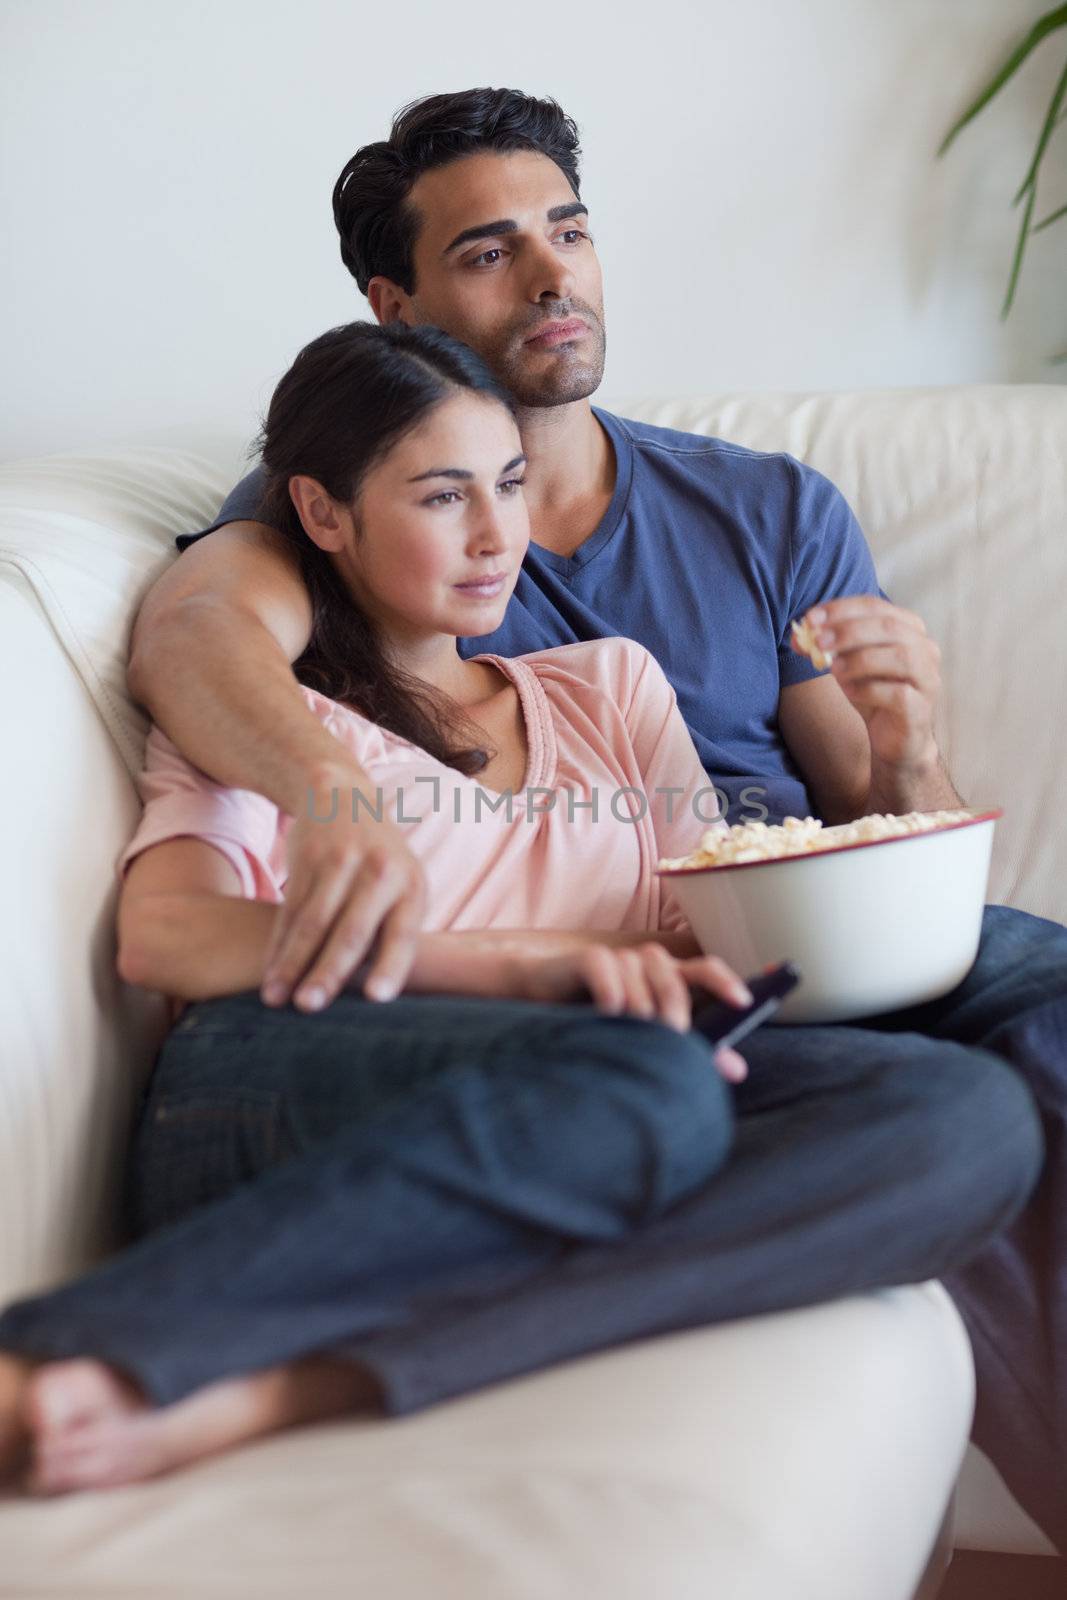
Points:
point(470, 217)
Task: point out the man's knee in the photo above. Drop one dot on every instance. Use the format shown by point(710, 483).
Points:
point(978, 1124)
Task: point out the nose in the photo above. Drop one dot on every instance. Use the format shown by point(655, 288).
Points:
point(551, 276)
point(487, 529)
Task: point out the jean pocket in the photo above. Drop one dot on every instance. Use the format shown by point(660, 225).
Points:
point(197, 1147)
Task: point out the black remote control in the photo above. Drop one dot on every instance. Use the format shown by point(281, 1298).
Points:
point(724, 1025)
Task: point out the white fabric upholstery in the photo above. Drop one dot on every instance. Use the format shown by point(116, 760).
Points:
point(802, 1456)
point(809, 1454)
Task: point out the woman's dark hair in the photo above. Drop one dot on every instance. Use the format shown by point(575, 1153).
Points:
point(349, 396)
point(377, 226)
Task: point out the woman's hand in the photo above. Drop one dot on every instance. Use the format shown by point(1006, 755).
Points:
point(643, 980)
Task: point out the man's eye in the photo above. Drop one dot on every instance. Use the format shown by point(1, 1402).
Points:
point(573, 233)
point(485, 257)
point(511, 484)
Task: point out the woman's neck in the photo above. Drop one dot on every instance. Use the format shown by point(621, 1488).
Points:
point(437, 663)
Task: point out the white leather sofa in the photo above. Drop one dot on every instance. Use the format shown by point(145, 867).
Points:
point(811, 1454)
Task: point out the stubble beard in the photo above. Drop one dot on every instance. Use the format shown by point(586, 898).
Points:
point(567, 374)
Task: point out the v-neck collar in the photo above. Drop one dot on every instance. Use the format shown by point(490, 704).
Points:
point(541, 752)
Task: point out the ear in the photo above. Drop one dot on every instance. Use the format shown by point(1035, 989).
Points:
point(389, 302)
point(326, 523)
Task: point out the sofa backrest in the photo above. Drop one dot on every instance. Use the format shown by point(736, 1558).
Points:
point(81, 539)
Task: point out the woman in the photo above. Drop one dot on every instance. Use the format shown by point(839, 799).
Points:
point(300, 1180)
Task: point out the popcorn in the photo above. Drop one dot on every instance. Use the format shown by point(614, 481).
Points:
point(805, 641)
point(795, 836)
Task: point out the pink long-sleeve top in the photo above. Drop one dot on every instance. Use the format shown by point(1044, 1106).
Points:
point(604, 731)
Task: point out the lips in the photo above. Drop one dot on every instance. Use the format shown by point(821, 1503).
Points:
point(558, 332)
point(487, 585)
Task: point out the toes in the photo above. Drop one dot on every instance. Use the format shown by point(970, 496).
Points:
point(91, 1465)
point(98, 1455)
point(66, 1394)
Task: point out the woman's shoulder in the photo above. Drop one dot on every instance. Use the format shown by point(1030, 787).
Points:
point(615, 666)
point(597, 660)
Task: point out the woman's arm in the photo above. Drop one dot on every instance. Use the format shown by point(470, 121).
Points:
point(186, 929)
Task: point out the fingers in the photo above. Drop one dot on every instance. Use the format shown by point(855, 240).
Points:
point(889, 663)
point(734, 1068)
point(599, 971)
point(670, 992)
point(330, 932)
point(375, 890)
point(862, 609)
point(907, 703)
point(641, 980)
point(638, 993)
point(720, 979)
point(397, 943)
point(304, 917)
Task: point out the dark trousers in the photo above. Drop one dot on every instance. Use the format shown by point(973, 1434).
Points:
point(1013, 1294)
point(455, 1191)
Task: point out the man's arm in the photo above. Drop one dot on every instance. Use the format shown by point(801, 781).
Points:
point(862, 733)
point(211, 661)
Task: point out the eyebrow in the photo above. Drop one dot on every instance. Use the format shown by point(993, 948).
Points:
point(462, 473)
point(490, 230)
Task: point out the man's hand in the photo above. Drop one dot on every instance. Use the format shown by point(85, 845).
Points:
point(348, 882)
point(887, 666)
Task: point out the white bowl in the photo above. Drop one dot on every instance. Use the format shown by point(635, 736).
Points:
point(872, 926)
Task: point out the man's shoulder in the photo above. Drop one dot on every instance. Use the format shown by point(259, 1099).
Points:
point(654, 438)
point(772, 486)
point(240, 505)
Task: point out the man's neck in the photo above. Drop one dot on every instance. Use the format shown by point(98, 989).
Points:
point(570, 473)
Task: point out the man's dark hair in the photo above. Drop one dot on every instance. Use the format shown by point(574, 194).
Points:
point(378, 226)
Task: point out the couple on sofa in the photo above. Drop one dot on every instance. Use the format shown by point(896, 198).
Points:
point(434, 1109)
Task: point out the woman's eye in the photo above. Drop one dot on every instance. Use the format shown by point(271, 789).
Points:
point(443, 498)
point(511, 484)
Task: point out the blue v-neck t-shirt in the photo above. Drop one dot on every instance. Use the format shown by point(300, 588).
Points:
point(706, 553)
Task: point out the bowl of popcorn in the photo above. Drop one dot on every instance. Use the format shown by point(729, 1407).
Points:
point(879, 913)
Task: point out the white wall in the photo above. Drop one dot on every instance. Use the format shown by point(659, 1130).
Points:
point(762, 180)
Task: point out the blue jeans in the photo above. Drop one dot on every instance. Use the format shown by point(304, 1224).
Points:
point(453, 1191)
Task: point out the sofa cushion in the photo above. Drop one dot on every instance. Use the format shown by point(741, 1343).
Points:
point(806, 1456)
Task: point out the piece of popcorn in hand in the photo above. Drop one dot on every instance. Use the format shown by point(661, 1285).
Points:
point(807, 644)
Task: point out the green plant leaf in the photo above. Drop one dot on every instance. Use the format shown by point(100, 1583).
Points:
point(1020, 247)
point(1052, 217)
point(1049, 123)
point(1041, 29)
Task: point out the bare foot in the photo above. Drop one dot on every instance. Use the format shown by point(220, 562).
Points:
point(91, 1427)
point(14, 1436)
